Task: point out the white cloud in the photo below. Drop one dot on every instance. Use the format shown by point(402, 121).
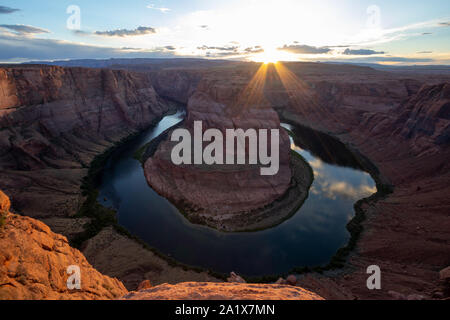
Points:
point(162, 9)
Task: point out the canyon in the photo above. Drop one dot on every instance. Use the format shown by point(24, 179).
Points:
point(54, 121)
point(242, 189)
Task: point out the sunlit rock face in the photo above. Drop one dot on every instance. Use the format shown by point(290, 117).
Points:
point(34, 262)
point(222, 291)
point(212, 194)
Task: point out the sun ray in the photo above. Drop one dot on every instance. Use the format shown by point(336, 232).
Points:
point(253, 93)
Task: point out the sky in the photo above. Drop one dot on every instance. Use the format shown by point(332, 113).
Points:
point(377, 31)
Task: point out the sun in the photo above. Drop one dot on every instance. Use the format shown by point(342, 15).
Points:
point(272, 55)
point(268, 56)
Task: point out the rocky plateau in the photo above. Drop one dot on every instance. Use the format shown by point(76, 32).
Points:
point(55, 120)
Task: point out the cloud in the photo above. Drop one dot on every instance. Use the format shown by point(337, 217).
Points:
point(22, 29)
point(426, 33)
point(21, 49)
point(225, 48)
point(343, 189)
point(402, 59)
point(361, 52)
point(170, 48)
point(444, 24)
point(230, 50)
point(153, 7)
point(255, 49)
point(304, 49)
point(126, 33)
point(7, 10)
point(425, 52)
point(397, 60)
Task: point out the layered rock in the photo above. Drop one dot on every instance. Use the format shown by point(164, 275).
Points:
point(34, 262)
point(222, 291)
point(408, 232)
point(402, 128)
point(219, 195)
point(401, 124)
point(55, 120)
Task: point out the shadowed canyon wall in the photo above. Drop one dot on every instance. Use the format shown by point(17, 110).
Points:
point(54, 120)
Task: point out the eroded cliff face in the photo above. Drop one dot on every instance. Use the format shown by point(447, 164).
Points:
point(408, 231)
point(55, 120)
point(34, 262)
point(222, 291)
point(224, 196)
point(401, 123)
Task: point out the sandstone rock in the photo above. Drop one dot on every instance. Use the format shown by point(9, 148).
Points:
point(292, 280)
point(281, 281)
point(415, 297)
point(222, 291)
point(133, 263)
point(444, 274)
point(438, 295)
point(396, 295)
point(5, 203)
point(217, 194)
point(401, 125)
point(146, 284)
point(236, 278)
point(34, 262)
point(55, 120)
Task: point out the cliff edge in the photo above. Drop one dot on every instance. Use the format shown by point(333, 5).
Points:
point(34, 261)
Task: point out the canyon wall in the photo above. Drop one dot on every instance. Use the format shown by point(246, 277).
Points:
point(55, 120)
point(401, 123)
point(226, 197)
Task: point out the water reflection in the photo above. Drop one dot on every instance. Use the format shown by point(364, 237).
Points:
point(310, 237)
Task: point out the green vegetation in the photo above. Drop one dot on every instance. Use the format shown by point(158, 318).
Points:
point(139, 154)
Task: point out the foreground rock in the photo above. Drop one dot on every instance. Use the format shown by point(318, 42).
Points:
point(133, 263)
point(222, 291)
point(34, 262)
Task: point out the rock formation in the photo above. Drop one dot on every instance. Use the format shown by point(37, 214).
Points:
point(226, 197)
point(222, 291)
point(34, 262)
point(53, 121)
point(402, 125)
